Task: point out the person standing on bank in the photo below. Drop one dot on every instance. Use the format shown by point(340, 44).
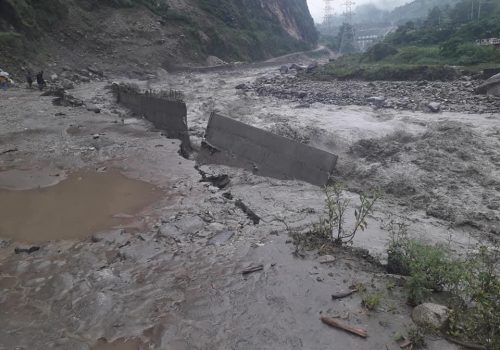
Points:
point(29, 79)
point(40, 81)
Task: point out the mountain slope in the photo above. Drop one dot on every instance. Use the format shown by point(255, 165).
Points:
point(417, 9)
point(143, 34)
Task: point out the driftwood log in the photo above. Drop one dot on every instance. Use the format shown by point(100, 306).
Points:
point(337, 324)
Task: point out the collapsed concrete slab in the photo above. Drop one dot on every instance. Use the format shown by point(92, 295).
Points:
point(166, 110)
point(234, 143)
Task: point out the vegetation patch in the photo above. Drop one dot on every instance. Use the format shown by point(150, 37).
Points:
point(352, 67)
point(472, 281)
point(330, 228)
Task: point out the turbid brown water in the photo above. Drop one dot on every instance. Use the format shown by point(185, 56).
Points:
point(75, 208)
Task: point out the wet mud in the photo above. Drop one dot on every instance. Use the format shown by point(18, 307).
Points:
point(75, 208)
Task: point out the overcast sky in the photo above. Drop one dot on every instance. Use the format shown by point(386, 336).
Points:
point(317, 6)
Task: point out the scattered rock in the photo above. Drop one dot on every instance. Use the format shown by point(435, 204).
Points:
point(26, 249)
point(95, 71)
point(67, 84)
point(430, 315)
point(284, 69)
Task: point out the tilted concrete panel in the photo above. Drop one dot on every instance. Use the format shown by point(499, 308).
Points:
point(238, 144)
point(168, 115)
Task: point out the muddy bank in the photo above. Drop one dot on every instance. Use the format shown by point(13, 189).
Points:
point(455, 96)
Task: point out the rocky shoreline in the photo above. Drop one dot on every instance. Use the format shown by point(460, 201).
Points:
point(429, 96)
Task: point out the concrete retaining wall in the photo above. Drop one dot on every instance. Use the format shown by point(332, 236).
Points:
point(167, 114)
point(238, 144)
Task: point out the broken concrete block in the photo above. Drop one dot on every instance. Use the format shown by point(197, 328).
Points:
point(234, 143)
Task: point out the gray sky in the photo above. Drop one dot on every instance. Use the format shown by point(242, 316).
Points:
point(317, 6)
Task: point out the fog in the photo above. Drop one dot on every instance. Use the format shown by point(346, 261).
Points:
point(317, 6)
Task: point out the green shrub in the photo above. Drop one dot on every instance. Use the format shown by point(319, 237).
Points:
point(473, 282)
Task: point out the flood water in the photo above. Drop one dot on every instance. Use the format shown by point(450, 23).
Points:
point(83, 204)
point(117, 345)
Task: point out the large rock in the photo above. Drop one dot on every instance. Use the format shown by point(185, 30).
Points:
point(434, 107)
point(430, 315)
point(213, 61)
point(491, 86)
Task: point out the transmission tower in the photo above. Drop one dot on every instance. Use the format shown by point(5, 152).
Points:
point(328, 19)
point(348, 39)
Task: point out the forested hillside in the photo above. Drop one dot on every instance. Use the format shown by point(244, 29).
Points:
point(146, 33)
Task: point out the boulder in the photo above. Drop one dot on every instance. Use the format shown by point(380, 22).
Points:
point(95, 70)
point(213, 61)
point(284, 69)
point(67, 84)
point(92, 108)
point(310, 68)
point(430, 315)
point(434, 107)
point(241, 87)
point(376, 100)
point(490, 87)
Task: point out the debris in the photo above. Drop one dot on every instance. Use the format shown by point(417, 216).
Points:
point(220, 181)
point(250, 213)
point(241, 87)
point(430, 315)
point(465, 344)
point(228, 195)
point(405, 343)
point(326, 259)
point(336, 324)
point(344, 294)
point(252, 269)
point(303, 105)
point(26, 249)
point(9, 150)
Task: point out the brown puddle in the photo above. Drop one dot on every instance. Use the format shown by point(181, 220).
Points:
point(75, 208)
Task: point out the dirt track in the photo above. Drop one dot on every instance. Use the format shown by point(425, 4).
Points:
point(171, 277)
